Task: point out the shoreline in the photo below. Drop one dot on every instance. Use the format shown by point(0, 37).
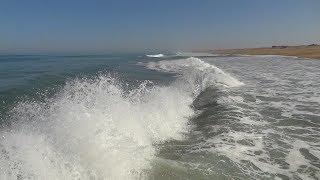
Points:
point(306, 51)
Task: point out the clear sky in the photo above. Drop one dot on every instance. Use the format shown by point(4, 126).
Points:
point(44, 26)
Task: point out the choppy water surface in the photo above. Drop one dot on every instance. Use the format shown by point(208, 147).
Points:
point(159, 117)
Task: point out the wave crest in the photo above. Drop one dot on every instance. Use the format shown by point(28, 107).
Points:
point(155, 55)
point(100, 129)
point(93, 128)
point(197, 71)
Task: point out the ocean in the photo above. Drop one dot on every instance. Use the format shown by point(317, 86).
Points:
point(159, 116)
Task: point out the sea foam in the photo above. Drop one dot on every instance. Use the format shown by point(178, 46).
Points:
point(201, 72)
point(155, 55)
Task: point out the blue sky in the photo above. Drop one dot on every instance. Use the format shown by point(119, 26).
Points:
point(44, 26)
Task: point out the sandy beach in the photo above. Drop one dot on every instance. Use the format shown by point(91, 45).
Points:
point(308, 51)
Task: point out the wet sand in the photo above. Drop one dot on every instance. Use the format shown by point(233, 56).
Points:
point(312, 52)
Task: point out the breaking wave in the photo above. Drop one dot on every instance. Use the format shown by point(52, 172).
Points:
point(200, 73)
point(155, 55)
point(102, 129)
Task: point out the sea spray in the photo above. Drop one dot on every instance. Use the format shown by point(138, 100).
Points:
point(93, 128)
point(100, 129)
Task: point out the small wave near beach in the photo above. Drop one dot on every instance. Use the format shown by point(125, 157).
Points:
point(155, 55)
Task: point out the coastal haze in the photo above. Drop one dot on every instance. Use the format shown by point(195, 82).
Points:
point(160, 90)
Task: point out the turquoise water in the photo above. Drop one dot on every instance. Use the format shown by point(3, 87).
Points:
point(132, 116)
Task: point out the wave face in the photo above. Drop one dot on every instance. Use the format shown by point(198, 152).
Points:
point(102, 129)
point(155, 55)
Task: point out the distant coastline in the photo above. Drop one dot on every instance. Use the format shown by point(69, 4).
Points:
point(311, 51)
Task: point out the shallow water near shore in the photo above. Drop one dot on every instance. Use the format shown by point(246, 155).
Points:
point(130, 116)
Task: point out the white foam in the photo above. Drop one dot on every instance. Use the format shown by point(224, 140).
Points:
point(93, 129)
point(196, 70)
point(227, 144)
point(275, 118)
point(155, 55)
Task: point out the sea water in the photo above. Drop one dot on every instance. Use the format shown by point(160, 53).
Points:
point(142, 116)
